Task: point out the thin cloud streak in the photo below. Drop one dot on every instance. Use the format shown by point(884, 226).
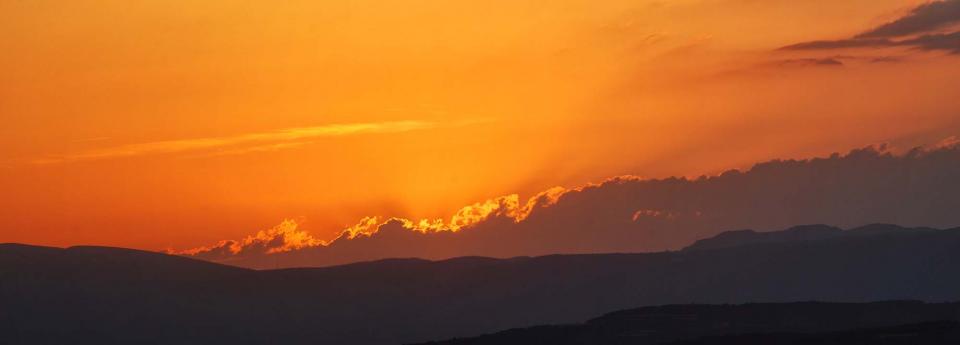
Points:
point(949, 42)
point(261, 141)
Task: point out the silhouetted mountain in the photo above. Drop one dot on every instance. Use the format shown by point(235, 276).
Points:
point(795, 234)
point(106, 295)
point(788, 323)
point(116, 262)
point(745, 237)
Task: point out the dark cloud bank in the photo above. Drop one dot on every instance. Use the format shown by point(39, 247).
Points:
point(927, 17)
point(870, 185)
point(927, 27)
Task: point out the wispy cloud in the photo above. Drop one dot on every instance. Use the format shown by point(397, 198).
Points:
point(949, 42)
point(244, 143)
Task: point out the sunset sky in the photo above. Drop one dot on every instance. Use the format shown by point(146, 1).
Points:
point(160, 124)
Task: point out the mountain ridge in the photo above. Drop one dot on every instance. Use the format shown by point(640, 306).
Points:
point(811, 232)
point(103, 296)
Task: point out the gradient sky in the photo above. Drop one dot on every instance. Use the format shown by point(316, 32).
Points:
point(172, 124)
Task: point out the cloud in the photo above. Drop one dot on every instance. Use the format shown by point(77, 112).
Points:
point(949, 42)
point(917, 29)
point(946, 42)
point(630, 214)
point(286, 236)
point(282, 238)
point(244, 143)
point(947, 143)
point(925, 18)
point(835, 62)
point(886, 59)
point(841, 44)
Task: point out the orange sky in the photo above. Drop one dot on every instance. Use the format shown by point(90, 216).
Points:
point(156, 124)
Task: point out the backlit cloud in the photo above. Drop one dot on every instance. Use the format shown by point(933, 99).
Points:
point(916, 187)
point(281, 238)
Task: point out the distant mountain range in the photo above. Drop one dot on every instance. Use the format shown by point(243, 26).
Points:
point(97, 295)
point(795, 234)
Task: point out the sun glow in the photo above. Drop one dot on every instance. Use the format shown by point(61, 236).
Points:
point(156, 124)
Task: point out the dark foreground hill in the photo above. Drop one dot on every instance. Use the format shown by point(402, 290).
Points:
point(786, 323)
point(928, 333)
point(95, 295)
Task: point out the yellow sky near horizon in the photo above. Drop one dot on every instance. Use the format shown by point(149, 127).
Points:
point(155, 124)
